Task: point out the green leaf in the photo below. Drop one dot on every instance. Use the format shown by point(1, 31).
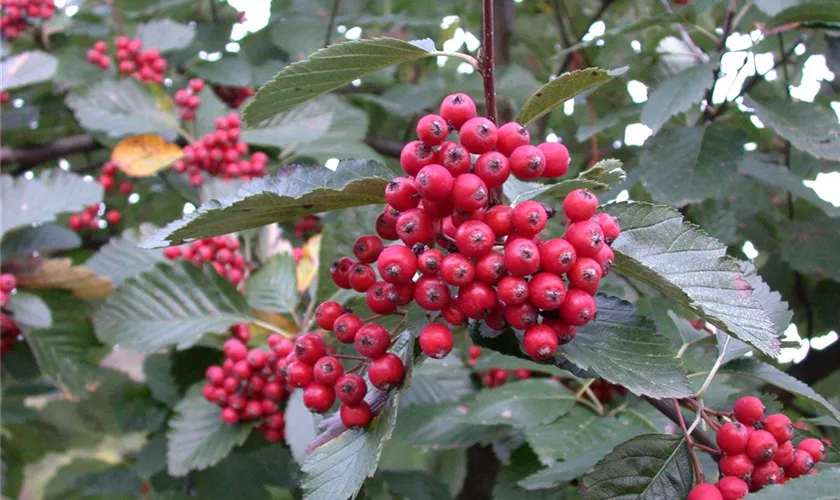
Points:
point(649, 467)
point(302, 124)
point(121, 258)
point(608, 121)
point(809, 15)
point(344, 139)
point(685, 165)
point(493, 359)
point(329, 69)
point(169, 305)
point(442, 425)
point(165, 35)
point(29, 310)
point(563, 88)
point(657, 247)
point(211, 108)
point(229, 71)
point(626, 349)
point(773, 7)
point(120, 108)
point(33, 201)
point(523, 403)
point(809, 246)
point(197, 437)
point(677, 94)
point(248, 472)
point(523, 463)
point(274, 287)
point(27, 68)
point(301, 426)
point(822, 486)
point(292, 192)
point(779, 176)
point(159, 378)
point(807, 126)
point(44, 238)
point(599, 178)
point(438, 380)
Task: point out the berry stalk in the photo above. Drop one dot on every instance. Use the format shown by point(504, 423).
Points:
point(488, 60)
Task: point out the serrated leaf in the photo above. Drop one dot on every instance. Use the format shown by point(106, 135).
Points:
point(600, 177)
point(30, 310)
point(121, 258)
point(523, 403)
point(779, 176)
point(33, 201)
point(563, 88)
point(44, 238)
point(660, 249)
point(685, 165)
point(292, 192)
point(648, 467)
point(274, 287)
point(436, 381)
point(809, 14)
point(442, 425)
point(144, 155)
point(197, 437)
point(27, 68)
point(809, 245)
point(326, 70)
point(159, 378)
point(61, 273)
point(626, 349)
point(822, 486)
point(169, 305)
point(119, 108)
point(807, 126)
point(164, 35)
point(302, 124)
point(677, 94)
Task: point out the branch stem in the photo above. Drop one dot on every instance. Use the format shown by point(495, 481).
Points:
point(331, 24)
point(488, 59)
point(695, 461)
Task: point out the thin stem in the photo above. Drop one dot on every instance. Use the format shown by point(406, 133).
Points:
point(706, 449)
point(695, 462)
point(488, 61)
point(273, 328)
point(727, 29)
point(347, 356)
point(696, 51)
point(354, 368)
point(714, 369)
point(331, 24)
point(398, 329)
point(460, 55)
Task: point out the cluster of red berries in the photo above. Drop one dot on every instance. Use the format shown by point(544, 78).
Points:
point(107, 179)
point(250, 385)
point(5, 97)
point(9, 331)
point(495, 377)
point(487, 251)
point(188, 100)
point(220, 153)
point(91, 216)
point(17, 15)
point(308, 226)
point(145, 66)
point(757, 452)
point(222, 252)
point(233, 96)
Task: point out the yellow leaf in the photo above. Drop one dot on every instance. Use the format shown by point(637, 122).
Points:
point(144, 155)
point(307, 268)
point(271, 318)
point(61, 273)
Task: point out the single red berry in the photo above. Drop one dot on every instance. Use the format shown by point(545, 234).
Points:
point(736, 466)
point(401, 193)
point(556, 159)
point(546, 291)
point(436, 340)
point(106, 182)
point(318, 397)
point(452, 314)
point(474, 238)
point(437, 208)
point(346, 326)
point(432, 130)
point(765, 474)
point(521, 316)
point(610, 227)
point(340, 272)
point(327, 370)
point(761, 446)
point(459, 216)
point(415, 226)
point(386, 228)
point(434, 182)
point(362, 277)
point(454, 158)
point(431, 293)
point(76, 223)
point(540, 341)
point(784, 455)
point(565, 332)
point(527, 162)
point(242, 370)
point(378, 298)
point(580, 205)
point(367, 248)
point(780, 426)
point(416, 155)
point(457, 270)
point(749, 410)
point(500, 220)
point(469, 192)
point(309, 348)
point(355, 416)
point(511, 136)
point(234, 349)
point(397, 264)
point(125, 188)
point(457, 109)
point(522, 257)
point(196, 85)
point(732, 438)
point(814, 447)
point(476, 300)
point(372, 341)
point(490, 269)
point(493, 168)
point(299, 374)
point(529, 218)
point(732, 488)
point(386, 371)
point(606, 259)
point(230, 416)
point(586, 236)
point(429, 262)
point(326, 314)
point(256, 358)
point(704, 491)
point(585, 275)
point(578, 308)
point(215, 375)
point(8, 282)
point(351, 389)
point(513, 290)
point(802, 464)
point(478, 135)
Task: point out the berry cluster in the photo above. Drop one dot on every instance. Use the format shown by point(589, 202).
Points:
point(188, 100)
point(250, 385)
point(233, 96)
point(89, 219)
point(222, 252)
point(17, 15)
point(145, 66)
point(220, 153)
point(308, 226)
point(98, 55)
point(757, 452)
point(9, 331)
point(495, 377)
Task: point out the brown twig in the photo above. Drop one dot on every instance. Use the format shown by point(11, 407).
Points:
point(331, 24)
point(727, 29)
point(487, 61)
point(695, 461)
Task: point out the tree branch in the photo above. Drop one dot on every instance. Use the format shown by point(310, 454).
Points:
point(698, 436)
point(482, 469)
point(331, 24)
point(387, 147)
point(29, 157)
point(488, 61)
point(727, 29)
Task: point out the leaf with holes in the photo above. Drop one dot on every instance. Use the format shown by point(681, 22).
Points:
point(648, 467)
point(33, 201)
point(290, 193)
point(808, 126)
point(523, 403)
point(27, 68)
point(169, 305)
point(164, 35)
point(677, 94)
point(274, 287)
point(659, 248)
point(600, 177)
point(329, 69)
point(121, 258)
point(563, 88)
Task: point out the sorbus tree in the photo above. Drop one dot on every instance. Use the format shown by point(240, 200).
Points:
point(572, 254)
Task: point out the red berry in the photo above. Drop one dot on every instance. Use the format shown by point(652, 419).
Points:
point(230, 416)
point(580, 205)
point(457, 270)
point(578, 308)
point(318, 397)
point(780, 426)
point(355, 416)
point(732, 488)
point(802, 464)
point(351, 389)
point(453, 315)
point(309, 348)
point(196, 85)
point(299, 374)
point(540, 341)
point(397, 264)
point(215, 375)
point(327, 370)
point(529, 218)
point(416, 155)
point(704, 491)
point(8, 282)
point(454, 158)
point(434, 182)
point(340, 272)
point(586, 237)
point(346, 326)
point(367, 248)
point(513, 290)
point(521, 316)
point(610, 227)
point(565, 332)
point(242, 370)
point(326, 314)
point(125, 188)
point(436, 340)
point(557, 256)
point(736, 466)
point(457, 109)
point(511, 136)
point(765, 474)
point(386, 228)
point(522, 257)
point(493, 168)
point(732, 438)
point(401, 193)
point(234, 349)
point(814, 447)
point(478, 135)
point(556, 159)
point(437, 208)
point(500, 220)
point(605, 259)
point(429, 262)
point(362, 277)
point(749, 410)
point(585, 275)
point(386, 371)
point(415, 226)
point(432, 130)
point(527, 162)
point(476, 300)
point(431, 293)
point(761, 446)
point(490, 269)
point(372, 341)
point(546, 291)
point(784, 455)
point(256, 358)
point(474, 238)
point(469, 193)
point(378, 298)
